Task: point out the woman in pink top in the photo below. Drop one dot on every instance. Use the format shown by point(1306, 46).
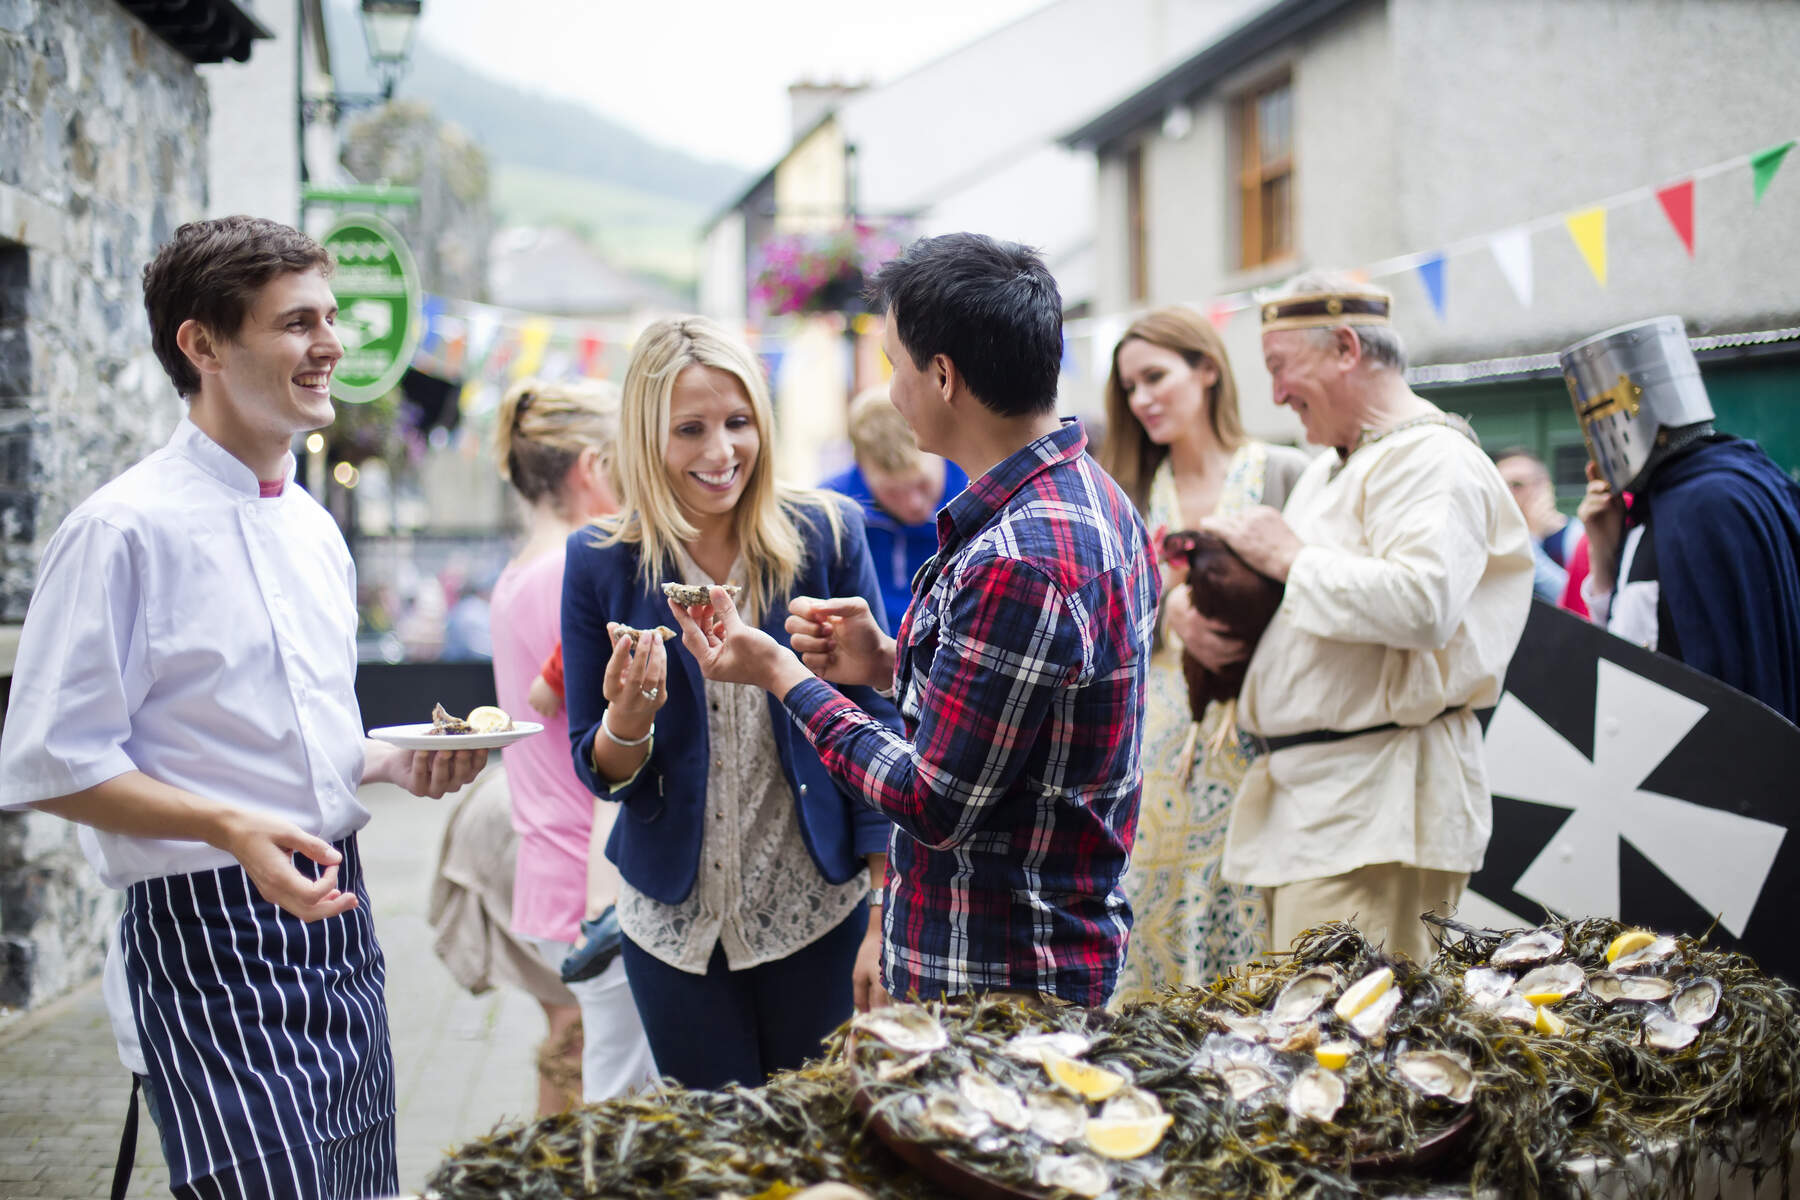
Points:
point(555, 442)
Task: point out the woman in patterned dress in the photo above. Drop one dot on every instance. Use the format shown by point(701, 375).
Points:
point(1178, 449)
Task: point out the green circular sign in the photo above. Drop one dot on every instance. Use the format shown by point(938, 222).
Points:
point(377, 288)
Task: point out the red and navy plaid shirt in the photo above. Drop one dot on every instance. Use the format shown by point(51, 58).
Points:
point(1020, 672)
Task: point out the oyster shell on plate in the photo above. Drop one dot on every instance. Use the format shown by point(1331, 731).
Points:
point(1316, 1094)
point(1666, 1033)
point(906, 1027)
point(1532, 946)
point(1303, 996)
point(1082, 1174)
point(1696, 1002)
point(1057, 1117)
point(1030, 1047)
point(1372, 1022)
point(998, 1101)
point(1649, 956)
point(1612, 989)
point(1131, 1104)
point(1552, 982)
point(1438, 1073)
point(949, 1114)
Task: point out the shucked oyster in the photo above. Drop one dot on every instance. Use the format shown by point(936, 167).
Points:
point(687, 595)
point(1316, 1093)
point(1665, 1032)
point(1485, 986)
point(949, 1114)
point(1082, 1174)
point(1551, 983)
point(1372, 1021)
point(900, 1068)
point(1438, 1073)
point(1696, 1002)
point(906, 1027)
point(1649, 956)
point(1304, 995)
point(443, 722)
point(1056, 1117)
point(1533, 946)
point(1614, 988)
point(1131, 1104)
point(1030, 1047)
point(1245, 1079)
point(995, 1099)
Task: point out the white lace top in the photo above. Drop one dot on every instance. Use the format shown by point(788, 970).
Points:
point(758, 894)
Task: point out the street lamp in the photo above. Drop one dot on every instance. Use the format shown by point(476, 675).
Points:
point(388, 27)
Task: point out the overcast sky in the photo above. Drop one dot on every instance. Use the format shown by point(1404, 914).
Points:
point(709, 76)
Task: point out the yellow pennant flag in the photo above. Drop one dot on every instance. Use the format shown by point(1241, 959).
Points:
point(534, 335)
point(1588, 228)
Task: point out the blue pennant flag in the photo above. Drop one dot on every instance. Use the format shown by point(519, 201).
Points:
point(1432, 272)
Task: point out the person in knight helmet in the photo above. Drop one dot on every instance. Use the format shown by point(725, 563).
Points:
point(1704, 563)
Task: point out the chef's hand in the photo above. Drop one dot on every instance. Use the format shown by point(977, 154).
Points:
point(430, 773)
point(1208, 641)
point(265, 846)
point(1260, 537)
point(1602, 515)
point(730, 651)
point(838, 640)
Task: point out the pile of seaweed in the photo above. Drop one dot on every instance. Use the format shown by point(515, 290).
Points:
point(1334, 1070)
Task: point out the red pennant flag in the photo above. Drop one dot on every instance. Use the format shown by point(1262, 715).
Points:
point(1677, 202)
point(1220, 314)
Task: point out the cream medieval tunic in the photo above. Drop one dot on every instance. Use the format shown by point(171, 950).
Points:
point(1404, 607)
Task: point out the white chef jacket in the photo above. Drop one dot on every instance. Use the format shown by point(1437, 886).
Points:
point(188, 628)
point(1407, 601)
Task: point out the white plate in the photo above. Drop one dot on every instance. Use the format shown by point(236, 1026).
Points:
point(420, 737)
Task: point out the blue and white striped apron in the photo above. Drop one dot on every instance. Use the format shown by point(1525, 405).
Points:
point(266, 1038)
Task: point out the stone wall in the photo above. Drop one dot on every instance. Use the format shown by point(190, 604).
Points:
point(102, 154)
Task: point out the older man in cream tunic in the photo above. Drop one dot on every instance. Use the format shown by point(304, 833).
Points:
point(1408, 572)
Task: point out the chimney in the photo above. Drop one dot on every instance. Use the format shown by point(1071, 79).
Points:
point(808, 101)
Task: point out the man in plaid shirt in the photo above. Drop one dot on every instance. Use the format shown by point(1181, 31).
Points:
point(1019, 668)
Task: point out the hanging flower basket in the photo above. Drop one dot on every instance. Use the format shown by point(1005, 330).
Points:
point(820, 272)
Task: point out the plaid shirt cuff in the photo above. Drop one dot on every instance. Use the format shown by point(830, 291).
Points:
point(814, 705)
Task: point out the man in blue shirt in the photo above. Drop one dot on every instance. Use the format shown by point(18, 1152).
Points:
point(901, 490)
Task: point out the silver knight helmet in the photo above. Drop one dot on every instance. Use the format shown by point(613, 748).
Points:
point(1631, 387)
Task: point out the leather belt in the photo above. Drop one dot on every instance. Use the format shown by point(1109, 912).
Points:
point(1313, 737)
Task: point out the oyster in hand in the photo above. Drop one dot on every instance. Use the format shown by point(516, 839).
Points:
point(687, 596)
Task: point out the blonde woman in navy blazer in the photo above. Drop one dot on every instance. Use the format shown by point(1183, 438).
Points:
point(747, 875)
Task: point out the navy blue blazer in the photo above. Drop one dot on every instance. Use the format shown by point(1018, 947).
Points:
point(656, 840)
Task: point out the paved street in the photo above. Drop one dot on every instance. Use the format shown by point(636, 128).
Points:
point(463, 1062)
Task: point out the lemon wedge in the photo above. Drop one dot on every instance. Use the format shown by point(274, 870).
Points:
point(1625, 943)
point(1130, 1137)
point(1542, 998)
point(1549, 1023)
point(1084, 1079)
point(1333, 1055)
point(1363, 993)
point(488, 719)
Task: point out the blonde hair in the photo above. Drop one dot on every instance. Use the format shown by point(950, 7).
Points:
point(880, 436)
point(1129, 455)
point(649, 514)
point(544, 426)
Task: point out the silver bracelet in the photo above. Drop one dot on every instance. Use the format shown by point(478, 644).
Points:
point(619, 741)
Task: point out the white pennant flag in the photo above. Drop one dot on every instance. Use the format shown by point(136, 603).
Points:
point(1512, 250)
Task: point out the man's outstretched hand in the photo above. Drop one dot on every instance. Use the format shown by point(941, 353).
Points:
point(839, 640)
point(730, 651)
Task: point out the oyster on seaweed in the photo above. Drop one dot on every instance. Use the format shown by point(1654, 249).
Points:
point(1696, 1002)
point(1316, 1094)
point(1030, 1047)
point(1306, 1037)
point(1244, 1079)
point(1649, 956)
point(687, 596)
point(1248, 1028)
point(998, 1101)
point(949, 1114)
point(1082, 1174)
point(1666, 1033)
point(1532, 946)
point(906, 1027)
point(1131, 1104)
point(1056, 1117)
point(1484, 986)
point(1372, 1022)
point(1438, 1073)
point(1552, 982)
point(1303, 996)
point(900, 1068)
point(1514, 1007)
point(1613, 989)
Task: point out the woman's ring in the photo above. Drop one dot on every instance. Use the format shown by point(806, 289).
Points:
point(651, 694)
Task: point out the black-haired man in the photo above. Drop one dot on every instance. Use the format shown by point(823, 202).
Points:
point(185, 689)
point(1019, 668)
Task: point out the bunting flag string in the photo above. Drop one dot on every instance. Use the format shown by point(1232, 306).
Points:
point(1511, 248)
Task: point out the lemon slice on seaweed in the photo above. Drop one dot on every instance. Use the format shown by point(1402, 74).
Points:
point(1363, 993)
point(1131, 1137)
point(1547, 1022)
point(1625, 943)
point(1333, 1055)
point(1084, 1079)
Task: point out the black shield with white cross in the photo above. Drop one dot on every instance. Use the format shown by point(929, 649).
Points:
point(1629, 785)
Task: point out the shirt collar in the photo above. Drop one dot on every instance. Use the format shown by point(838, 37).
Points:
point(192, 443)
point(976, 504)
